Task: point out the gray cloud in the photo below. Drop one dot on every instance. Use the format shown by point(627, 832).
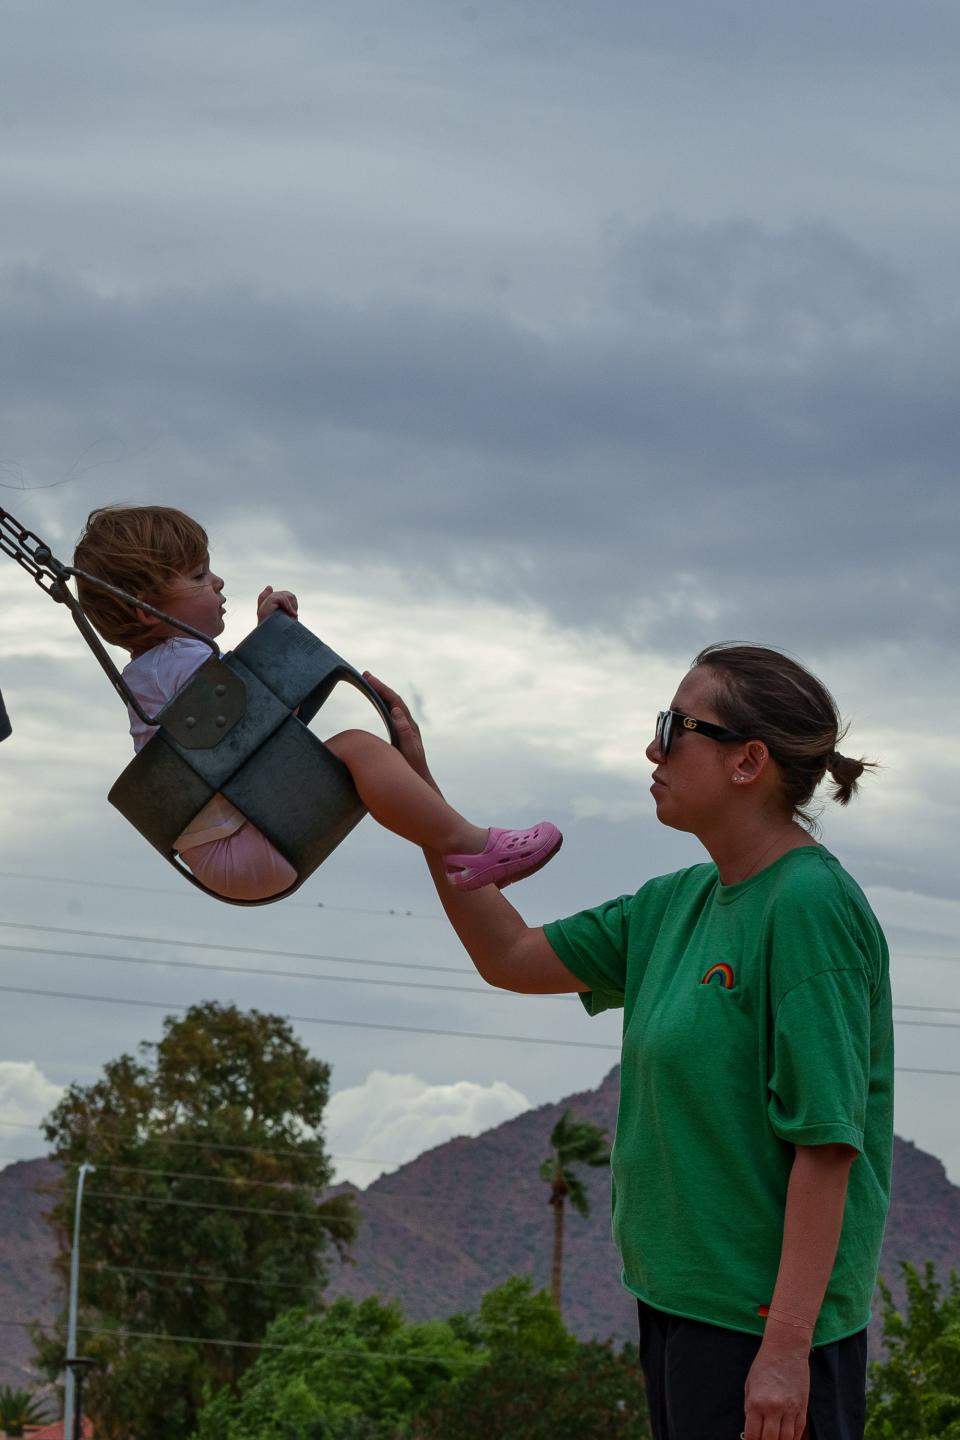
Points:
point(753, 405)
point(643, 314)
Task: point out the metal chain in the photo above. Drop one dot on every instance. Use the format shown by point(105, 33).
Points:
point(32, 554)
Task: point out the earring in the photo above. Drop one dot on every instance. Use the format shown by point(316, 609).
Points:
point(738, 779)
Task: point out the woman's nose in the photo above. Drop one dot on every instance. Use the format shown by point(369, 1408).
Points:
point(653, 751)
point(217, 582)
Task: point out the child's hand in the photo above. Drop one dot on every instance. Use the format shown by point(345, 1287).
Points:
point(270, 600)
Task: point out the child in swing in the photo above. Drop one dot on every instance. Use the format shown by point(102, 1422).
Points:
point(161, 555)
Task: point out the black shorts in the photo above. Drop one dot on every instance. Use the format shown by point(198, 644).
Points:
point(696, 1374)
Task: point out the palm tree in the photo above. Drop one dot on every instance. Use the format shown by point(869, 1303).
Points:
point(573, 1142)
point(17, 1409)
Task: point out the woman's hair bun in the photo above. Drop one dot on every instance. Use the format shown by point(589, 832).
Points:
point(844, 772)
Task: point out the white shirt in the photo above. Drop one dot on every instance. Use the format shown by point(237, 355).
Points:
point(155, 677)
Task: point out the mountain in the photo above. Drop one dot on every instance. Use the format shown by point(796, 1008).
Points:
point(28, 1288)
point(461, 1218)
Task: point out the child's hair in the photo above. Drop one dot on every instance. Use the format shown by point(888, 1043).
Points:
point(141, 549)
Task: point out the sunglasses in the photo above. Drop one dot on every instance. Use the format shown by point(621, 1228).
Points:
point(669, 721)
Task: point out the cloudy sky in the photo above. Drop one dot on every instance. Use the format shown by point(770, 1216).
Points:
point(534, 345)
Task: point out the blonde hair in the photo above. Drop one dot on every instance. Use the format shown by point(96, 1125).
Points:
point(141, 549)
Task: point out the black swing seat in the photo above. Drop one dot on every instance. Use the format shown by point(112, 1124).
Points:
point(232, 730)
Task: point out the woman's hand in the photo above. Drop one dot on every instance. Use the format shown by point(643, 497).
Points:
point(408, 731)
point(270, 600)
point(777, 1390)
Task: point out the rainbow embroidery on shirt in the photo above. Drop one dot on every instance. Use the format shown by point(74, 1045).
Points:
point(721, 974)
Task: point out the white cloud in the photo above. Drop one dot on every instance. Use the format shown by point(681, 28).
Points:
point(26, 1096)
point(390, 1119)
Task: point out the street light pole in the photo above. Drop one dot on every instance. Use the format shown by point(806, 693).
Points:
point(68, 1398)
point(78, 1367)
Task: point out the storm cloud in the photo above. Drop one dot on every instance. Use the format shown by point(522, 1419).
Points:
point(536, 345)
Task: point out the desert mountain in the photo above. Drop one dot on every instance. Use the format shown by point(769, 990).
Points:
point(461, 1218)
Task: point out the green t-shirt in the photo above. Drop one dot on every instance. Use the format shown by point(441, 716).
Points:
point(757, 1017)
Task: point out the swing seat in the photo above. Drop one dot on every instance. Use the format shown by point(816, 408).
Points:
point(232, 730)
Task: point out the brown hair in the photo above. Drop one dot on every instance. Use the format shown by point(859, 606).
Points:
point(141, 549)
point(768, 696)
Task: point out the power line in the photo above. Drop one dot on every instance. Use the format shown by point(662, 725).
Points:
point(259, 970)
point(939, 1009)
point(392, 913)
point(930, 1024)
point(371, 1024)
point(403, 1197)
point(298, 954)
point(130, 1198)
point(290, 974)
point(301, 1349)
point(326, 1020)
point(365, 1195)
point(289, 1185)
point(233, 949)
point(922, 1070)
point(209, 1144)
point(193, 1275)
point(99, 1267)
point(389, 913)
point(293, 1188)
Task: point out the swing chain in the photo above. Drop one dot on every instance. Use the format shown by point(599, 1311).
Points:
point(32, 554)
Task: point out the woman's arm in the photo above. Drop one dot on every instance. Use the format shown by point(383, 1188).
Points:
point(505, 949)
point(779, 1381)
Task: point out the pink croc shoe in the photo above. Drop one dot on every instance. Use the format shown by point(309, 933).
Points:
point(508, 855)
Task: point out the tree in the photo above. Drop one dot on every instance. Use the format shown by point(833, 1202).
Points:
point(595, 1394)
point(19, 1408)
point(573, 1142)
point(358, 1371)
point(513, 1318)
point(354, 1371)
point(915, 1391)
point(203, 1218)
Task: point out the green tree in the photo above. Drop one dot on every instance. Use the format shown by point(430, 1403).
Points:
point(19, 1408)
point(915, 1391)
point(594, 1394)
point(573, 1142)
point(204, 1217)
point(354, 1371)
point(514, 1318)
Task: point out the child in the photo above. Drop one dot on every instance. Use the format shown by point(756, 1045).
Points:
point(161, 556)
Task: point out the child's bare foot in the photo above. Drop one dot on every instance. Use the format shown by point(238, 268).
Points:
point(508, 855)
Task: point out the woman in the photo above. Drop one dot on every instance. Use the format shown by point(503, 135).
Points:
point(751, 1166)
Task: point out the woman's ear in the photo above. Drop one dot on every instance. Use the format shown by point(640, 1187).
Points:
point(750, 763)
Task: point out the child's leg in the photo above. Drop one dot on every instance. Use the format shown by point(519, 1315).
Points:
point(400, 799)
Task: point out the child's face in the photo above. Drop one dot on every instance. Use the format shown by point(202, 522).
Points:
point(196, 598)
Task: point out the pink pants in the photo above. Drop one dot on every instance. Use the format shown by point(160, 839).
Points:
point(244, 866)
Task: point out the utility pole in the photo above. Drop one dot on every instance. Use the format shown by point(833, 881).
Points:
point(69, 1405)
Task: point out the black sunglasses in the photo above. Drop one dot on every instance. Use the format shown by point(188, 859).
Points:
point(669, 720)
